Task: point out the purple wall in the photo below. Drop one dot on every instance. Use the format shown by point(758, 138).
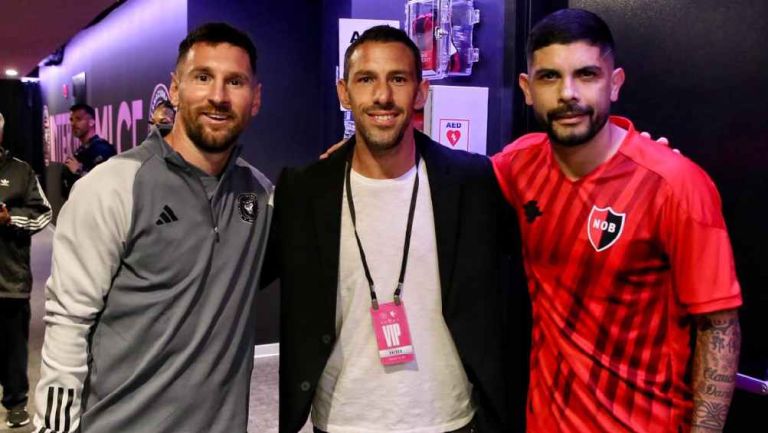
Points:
point(124, 57)
point(289, 128)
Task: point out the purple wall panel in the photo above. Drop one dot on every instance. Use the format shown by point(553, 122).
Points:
point(124, 57)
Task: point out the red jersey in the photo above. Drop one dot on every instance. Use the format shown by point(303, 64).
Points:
point(618, 261)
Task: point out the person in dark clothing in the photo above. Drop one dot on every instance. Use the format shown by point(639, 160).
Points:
point(24, 210)
point(393, 202)
point(93, 149)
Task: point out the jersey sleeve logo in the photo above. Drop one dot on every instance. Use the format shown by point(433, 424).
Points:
point(604, 227)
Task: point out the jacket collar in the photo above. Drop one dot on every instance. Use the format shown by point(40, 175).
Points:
point(445, 191)
point(87, 144)
point(327, 180)
point(161, 147)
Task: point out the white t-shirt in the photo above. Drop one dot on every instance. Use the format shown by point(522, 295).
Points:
point(356, 393)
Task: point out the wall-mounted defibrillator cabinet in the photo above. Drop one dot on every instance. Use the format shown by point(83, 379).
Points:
point(455, 116)
point(442, 29)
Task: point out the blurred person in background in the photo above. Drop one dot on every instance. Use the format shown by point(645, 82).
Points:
point(24, 210)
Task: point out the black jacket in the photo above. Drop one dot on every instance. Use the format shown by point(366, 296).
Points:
point(93, 153)
point(30, 212)
point(90, 154)
point(472, 227)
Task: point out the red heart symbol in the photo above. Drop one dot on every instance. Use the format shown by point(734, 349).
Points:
point(453, 136)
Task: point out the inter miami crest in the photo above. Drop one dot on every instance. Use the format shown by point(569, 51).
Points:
point(604, 227)
point(159, 94)
point(248, 206)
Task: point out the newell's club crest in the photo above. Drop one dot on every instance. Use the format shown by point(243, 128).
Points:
point(248, 206)
point(604, 227)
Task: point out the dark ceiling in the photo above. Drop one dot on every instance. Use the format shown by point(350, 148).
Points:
point(30, 30)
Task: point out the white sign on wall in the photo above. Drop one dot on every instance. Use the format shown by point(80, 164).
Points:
point(457, 117)
point(351, 29)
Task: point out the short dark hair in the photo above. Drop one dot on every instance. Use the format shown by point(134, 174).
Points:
point(165, 104)
point(567, 26)
point(85, 107)
point(218, 33)
point(384, 34)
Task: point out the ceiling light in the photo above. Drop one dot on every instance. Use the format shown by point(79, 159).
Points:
point(11, 72)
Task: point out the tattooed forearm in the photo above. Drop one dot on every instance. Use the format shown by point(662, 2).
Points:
point(718, 341)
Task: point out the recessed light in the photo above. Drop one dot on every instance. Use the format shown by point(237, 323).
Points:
point(11, 72)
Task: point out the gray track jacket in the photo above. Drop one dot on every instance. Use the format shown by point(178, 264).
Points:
point(149, 308)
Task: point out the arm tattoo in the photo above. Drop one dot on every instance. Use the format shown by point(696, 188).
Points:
point(716, 359)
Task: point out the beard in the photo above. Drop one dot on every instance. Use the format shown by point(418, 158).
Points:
point(79, 134)
point(211, 141)
point(596, 121)
point(379, 141)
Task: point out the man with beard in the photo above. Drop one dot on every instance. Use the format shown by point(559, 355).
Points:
point(390, 255)
point(93, 149)
point(626, 252)
point(156, 261)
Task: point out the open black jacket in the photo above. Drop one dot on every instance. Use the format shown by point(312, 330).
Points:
point(474, 239)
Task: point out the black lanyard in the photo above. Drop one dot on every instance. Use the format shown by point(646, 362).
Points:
point(411, 211)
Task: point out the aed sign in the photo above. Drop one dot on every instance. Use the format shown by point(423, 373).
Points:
point(454, 133)
point(457, 117)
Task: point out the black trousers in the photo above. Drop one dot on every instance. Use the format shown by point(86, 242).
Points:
point(14, 351)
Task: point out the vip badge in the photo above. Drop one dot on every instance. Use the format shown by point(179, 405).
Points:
point(248, 205)
point(393, 336)
point(604, 227)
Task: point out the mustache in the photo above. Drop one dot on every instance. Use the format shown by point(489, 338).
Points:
point(568, 110)
point(217, 108)
point(390, 106)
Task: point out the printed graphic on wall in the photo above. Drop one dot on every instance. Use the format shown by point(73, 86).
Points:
point(159, 94)
point(455, 132)
point(46, 137)
point(124, 64)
